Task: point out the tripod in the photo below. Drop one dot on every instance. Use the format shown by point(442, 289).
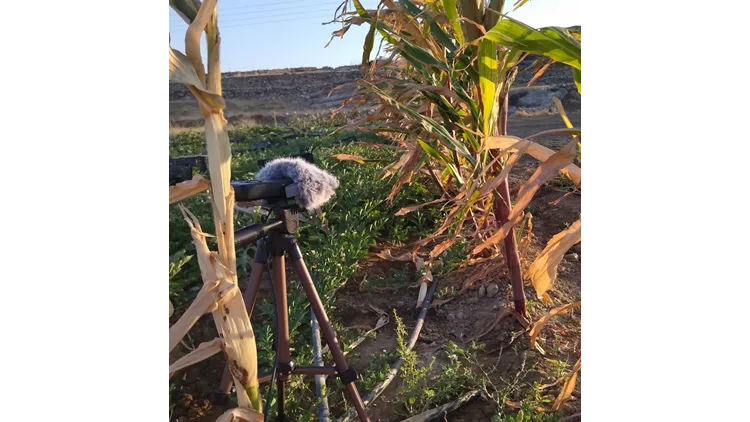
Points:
point(275, 238)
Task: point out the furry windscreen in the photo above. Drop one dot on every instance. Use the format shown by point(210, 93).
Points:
point(316, 186)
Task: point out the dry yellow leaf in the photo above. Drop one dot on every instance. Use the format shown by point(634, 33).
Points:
point(412, 208)
point(204, 351)
point(497, 180)
point(193, 36)
point(230, 317)
point(203, 302)
point(406, 172)
point(241, 414)
point(442, 247)
point(568, 387)
point(544, 172)
point(348, 157)
point(386, 254)
point(542, 321)
point(535, 150)
point(543, 271)
point(188, 188)
point(182, 71)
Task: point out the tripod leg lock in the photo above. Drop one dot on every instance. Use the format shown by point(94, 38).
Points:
point(285, 367)
point(285, 370)
point(219, 398)
point(349, 376)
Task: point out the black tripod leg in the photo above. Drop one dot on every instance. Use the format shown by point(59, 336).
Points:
point(221, 395)
point(280, 383)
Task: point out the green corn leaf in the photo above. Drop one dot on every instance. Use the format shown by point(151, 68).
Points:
point(430, 125)
point(369, 42)
point(577, 78)
point(421, 55)
point(440, 35)
point(452, 13)
point(556, 43)
point(434, 153)
point(488, 78)
point(361, 10)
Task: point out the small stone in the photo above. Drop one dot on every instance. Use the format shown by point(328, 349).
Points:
point(459, 315)
point(482, 291)
point(451, 317)
point(400, 304)
point(572, 256)
point(492, 290)
point(473, 300)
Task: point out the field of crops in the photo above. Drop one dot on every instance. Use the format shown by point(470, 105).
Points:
point(361, 288)
point(448, 259)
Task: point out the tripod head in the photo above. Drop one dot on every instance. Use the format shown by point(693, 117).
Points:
point(284, 186)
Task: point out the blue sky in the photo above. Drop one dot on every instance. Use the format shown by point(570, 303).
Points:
point(268, 34)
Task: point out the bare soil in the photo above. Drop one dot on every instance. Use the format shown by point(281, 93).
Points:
point(458, 320)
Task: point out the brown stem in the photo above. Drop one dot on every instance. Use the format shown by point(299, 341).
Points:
point(501, 208)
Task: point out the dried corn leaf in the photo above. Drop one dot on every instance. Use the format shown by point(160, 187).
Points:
point(206, 301)
point(544, 172)
point(188, 188)
point(537, 328)
point(231, 317)
point(543, 271)
point(386, 254)
point(535, 150)
point(182, 71)
point(348, 157)
point(568, 387)
point(406, 172)
point(193, 36)
point(241, 414)
point(412, 208)
point(204, 351)
point(492, 184)
point(384, 146)
point(442, 248)
point(540, 72)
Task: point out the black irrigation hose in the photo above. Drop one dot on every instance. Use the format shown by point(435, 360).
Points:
point(381, 386)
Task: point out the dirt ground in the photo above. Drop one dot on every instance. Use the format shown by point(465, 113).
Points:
point(458, 320)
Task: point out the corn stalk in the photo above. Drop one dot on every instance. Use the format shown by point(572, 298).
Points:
point(220, 294)
point(442, 93)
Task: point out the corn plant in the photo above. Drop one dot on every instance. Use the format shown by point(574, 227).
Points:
point(441, 92)
point(220, 294)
